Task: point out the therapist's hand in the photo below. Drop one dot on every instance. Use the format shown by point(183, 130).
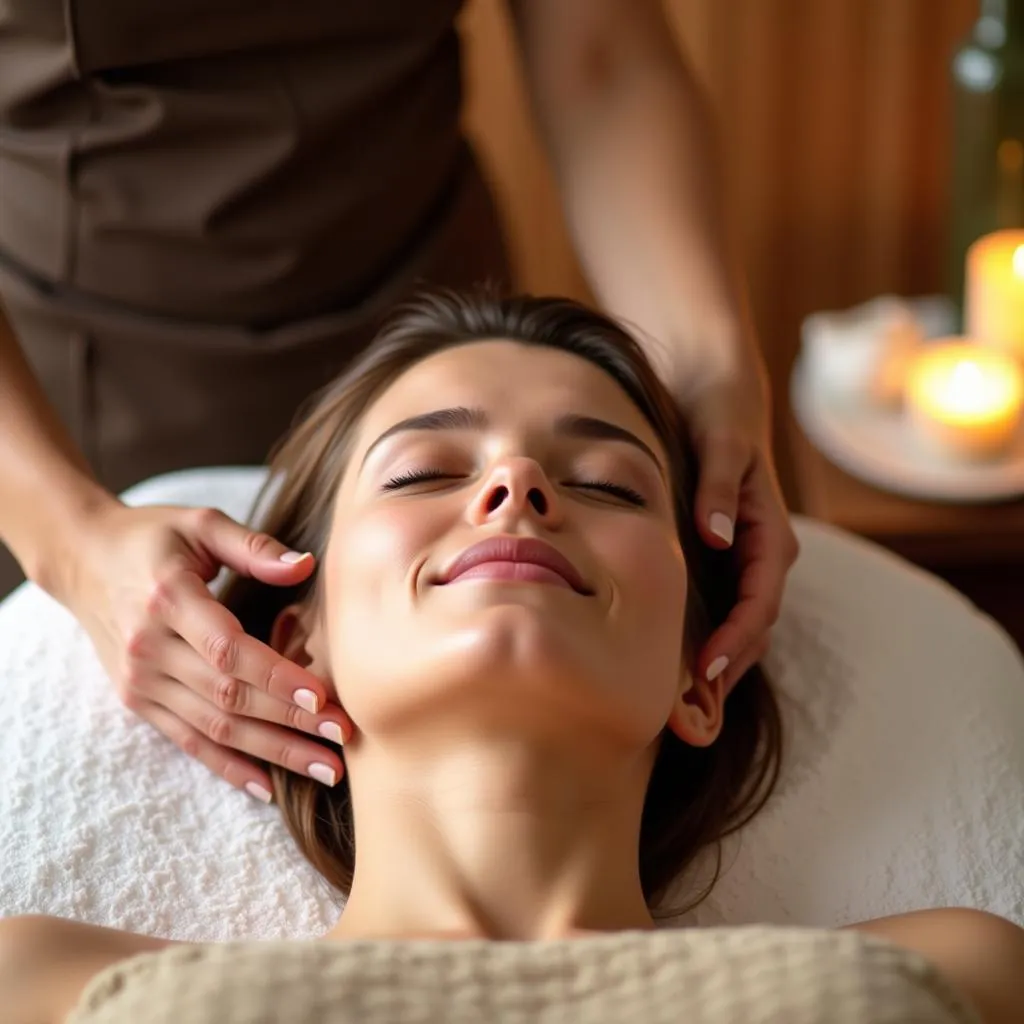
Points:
point(739, 504)
point(180, 660)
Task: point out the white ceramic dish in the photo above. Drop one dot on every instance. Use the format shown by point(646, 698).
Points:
point(880, 447)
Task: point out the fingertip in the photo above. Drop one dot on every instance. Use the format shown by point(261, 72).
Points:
point(739, 669)
point(298, 565)
point(296, 557)
point(259, 791)
point(339, 727)
point(287, 569)
point(309, 700)
point(717, 666)
point(332, 731)
point(722, 526)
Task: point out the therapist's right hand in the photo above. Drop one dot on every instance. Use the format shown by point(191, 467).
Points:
point(179, 659)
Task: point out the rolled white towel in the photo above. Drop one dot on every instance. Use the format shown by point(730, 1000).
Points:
point(860, 354)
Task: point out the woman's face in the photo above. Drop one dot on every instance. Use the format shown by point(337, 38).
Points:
point(543, 453)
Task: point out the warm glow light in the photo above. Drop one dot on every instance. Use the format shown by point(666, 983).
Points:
point(966, 391)
point(966, 399)
point(994, 293)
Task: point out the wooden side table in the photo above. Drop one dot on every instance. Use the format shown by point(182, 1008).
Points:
point(979, 549)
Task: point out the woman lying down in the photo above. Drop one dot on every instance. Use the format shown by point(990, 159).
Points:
point(507, 600)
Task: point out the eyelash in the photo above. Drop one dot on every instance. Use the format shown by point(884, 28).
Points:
point(418, 476)
point(413, 476)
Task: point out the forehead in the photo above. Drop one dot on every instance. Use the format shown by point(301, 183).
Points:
point(514, 384)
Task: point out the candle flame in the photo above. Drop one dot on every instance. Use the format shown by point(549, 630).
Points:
point(967, 390)
point(1018, 261)
point(967, 373)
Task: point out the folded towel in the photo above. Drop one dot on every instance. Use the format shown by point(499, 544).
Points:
point(701, 976)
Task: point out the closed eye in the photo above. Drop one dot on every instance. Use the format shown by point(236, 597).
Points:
point(617, 490)
point(419, 476)
point(415, 476)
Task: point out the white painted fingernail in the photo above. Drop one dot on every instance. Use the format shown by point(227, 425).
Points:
point(323, 773)
point(721, 526)
point(307, 700)
point(717, 667)
point(291, 557)
point(256, 790)
point(331, 731)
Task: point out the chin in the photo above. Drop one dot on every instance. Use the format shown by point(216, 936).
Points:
point(514, 633)
point(508, 648)
point(499, 648)
point(519, 649)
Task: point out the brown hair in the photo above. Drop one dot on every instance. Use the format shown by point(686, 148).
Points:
point(695, 796)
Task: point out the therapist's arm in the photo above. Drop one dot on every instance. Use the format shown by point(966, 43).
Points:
point(45, 482)
point(135, 578)
point(634, 153)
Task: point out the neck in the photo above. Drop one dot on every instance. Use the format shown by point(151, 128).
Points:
point(500, 838)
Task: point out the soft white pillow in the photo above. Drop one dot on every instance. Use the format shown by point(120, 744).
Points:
point(903, 788)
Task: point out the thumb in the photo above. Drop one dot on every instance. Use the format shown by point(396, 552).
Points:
point(250, 552)
point(723, 465)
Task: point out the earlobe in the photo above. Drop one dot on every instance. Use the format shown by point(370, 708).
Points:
point(698, 713)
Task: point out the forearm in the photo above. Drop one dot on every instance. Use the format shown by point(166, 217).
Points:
point(635, 155)
point(45, 483)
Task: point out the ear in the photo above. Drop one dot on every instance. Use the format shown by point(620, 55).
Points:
point(298, 638)
point(699, 711)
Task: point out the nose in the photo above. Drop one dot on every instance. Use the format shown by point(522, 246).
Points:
point(517, 487)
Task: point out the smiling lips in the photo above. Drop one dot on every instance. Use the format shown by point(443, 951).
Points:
point(516, 558)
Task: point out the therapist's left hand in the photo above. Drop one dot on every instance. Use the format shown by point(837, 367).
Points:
point(739, 504)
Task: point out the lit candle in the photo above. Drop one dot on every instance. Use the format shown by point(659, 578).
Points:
point(964, 399)
point(994, 298)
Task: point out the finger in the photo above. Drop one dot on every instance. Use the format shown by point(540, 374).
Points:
point(765, 552)
point(724, 461)
point(239, 771)
point(250, 552)
point(178, 660)
point(268, 742)
point(187, 606)
point(760, 596)
point(744, 664)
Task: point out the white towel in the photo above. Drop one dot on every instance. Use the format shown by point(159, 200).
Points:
point(904, 786)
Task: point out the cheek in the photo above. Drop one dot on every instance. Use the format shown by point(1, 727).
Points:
point(371, 568)
point(648, 571)
point(375, 554)
point(644, 556)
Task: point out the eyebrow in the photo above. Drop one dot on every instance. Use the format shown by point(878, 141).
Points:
point(568, 425)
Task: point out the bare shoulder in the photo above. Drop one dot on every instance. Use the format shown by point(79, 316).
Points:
point(46, 963)
point(982, 954)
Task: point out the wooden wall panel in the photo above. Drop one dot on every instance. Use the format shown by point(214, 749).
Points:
point(498, 119)
point(835, 117)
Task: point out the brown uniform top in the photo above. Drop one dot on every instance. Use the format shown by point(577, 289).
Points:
point(230, 161)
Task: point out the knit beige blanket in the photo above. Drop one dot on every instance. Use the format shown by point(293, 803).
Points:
point(749, 975)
